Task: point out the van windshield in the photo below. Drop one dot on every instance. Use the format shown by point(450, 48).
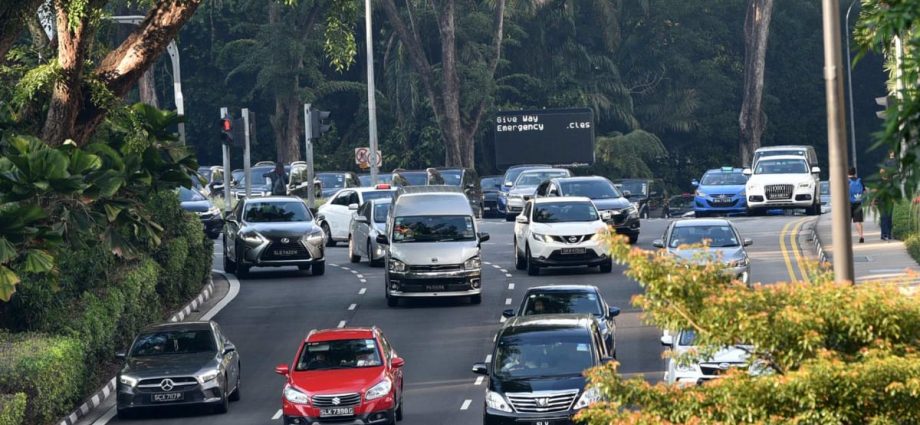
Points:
point(537, 354)
point(433, 228)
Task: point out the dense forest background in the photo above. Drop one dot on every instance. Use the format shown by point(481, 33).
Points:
point(663, 76)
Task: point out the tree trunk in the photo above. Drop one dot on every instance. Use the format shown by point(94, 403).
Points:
point(752, 119)
point(289, 150)
point(147, 89)
point(450, 86)
point(13, 16)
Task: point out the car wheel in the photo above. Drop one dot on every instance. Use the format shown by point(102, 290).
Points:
point(241, 270)
point(532, 268)
point(519, 262)
point(607, 267)
point(224, 405)
point(328, 234)
point(391, 300)
point(633, 238)
point(235, 395)
point(476, 299)
point(351, 251)
point(374, 263)
point(229, 265)
point(399, 410)
point(319, 269)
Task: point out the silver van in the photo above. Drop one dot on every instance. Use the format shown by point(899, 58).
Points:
point(804, 151)
point(433, 245)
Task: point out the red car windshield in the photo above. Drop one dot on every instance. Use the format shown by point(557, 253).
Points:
point(341, 354)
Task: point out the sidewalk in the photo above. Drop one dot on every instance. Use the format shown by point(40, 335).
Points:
point(875, 259)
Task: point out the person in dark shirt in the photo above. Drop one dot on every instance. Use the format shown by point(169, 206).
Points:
point(885, 206)
point(279, 180)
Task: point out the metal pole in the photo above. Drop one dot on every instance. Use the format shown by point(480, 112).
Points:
point(308, 132)
point(371, 92)
point(247, 168)
point(228, 177)
point(850, 84)
point(836, 144)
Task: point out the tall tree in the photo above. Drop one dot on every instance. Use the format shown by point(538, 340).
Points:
point(458, 118)
point(752, 119)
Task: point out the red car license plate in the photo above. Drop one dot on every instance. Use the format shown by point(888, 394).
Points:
point(336, 411)
point(573, 251)
point(166, 397)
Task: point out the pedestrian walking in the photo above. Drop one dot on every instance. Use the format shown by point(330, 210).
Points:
point(279, 180)
point(857, 191)
point(886, 205)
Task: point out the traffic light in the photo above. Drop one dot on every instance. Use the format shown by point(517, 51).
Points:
point(319, 122)
point(226, 130)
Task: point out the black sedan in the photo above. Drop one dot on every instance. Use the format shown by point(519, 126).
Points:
point(491, 185)
point(177, 364)
point(195, 202)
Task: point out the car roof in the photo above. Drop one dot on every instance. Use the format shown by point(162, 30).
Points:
point(334, 172)
point(548, 322)
point(692, 222)
point(432, 203)
point(725, 170)
point(783, 147)
point(557, 199)
point(634, 179)
point(543, 170)
point(776, 157)
point(563, 288)
point(339, 334)
point(274, 199)
point(179, 326)
point(579, 179)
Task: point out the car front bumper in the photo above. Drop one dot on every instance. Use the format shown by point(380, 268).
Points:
point(213, 224)
point(734, 204)
point(800, 198)
point(497, 417)
point(624, 224)
point(129, 397)
point(264, 254)
point(380, 411)
point(551, 253)
point(458, 283)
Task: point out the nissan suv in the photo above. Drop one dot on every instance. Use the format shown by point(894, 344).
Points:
point(560, 232)
point(536, 373)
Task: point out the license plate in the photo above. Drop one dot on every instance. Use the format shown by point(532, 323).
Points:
point(285, 252)
point(573, 251)
point(543, 423)
point(166, 397)
point(488, 208)
point(336, 411)
point(435, 287)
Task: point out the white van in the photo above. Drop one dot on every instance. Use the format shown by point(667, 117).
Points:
point(804, 151)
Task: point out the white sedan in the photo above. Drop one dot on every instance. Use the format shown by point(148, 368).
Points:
point(559, 232)
point(335, 215)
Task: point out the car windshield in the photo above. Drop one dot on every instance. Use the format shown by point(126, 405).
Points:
point(634, 187)
point(718, 236)
point(342, 354)
point(331, 181)
point(205, 173)
point(174, 342)
point(554, 302)
point(538, 354)
point(719, 178)
point(276, 212)
point(452, 177)
point(512, 174)
point(411, 178)
point(433, 228)
point(490, 183)
point(237, 175)
point(378, 194)
point(561, 212)
point(189, 195)
point(258, 176)
point(535, 178)
point(686, 338)
point(594, 189)
point(365, 180)
point(781, 166)
point(380, 213)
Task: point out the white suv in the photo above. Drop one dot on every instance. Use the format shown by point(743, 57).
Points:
point(559, 231)
point(695, 371)
point(785, 182)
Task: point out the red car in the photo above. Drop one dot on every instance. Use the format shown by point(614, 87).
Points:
point(343, 376)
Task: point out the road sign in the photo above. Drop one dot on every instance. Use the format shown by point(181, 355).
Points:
point(363, 157)
point(547, 136)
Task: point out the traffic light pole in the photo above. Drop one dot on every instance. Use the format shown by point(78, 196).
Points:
point(308, 133)
point(247, 168)
point(228, 177)
point(836, 145)
point(371, 92)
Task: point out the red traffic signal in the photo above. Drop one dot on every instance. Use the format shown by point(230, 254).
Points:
point(226, 124)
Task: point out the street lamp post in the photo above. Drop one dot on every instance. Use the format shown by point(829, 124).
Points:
point(371, 92)
point(849, 66)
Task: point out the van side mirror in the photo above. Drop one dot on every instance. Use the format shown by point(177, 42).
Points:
point(816, 170)
point(481, 369)
point(382, 240)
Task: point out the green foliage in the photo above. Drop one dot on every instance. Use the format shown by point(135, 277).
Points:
point(628, 155)
point(12, 408)
point(48, 369)
point(340, 47)
point(913, 246)
point(906, 219)
point(826, 353)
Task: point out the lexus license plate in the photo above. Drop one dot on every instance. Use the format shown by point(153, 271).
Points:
point(336, 411)
point(285, 252)
point(573, 251)
point(165, 397)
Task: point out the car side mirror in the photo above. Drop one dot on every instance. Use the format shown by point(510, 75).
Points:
point(509, 184)
point(484, 237)
point(382, 239)
point(748, 242)
point(815, 170)
point(747, 172)
point(283, 369)
point(121, 355)
point(627, 194)
point(667, 340)
point(522, 219)
point(607, 359)
point(613, 312)
point(398, 362)
point(353, 207)
point(229, 348)
point(361, 219)
point(695, 183)
point(509, 313)
point(481, 369)
point(658, 243)
point(653, 194)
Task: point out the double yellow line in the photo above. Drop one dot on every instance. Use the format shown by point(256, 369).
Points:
point(796, 259)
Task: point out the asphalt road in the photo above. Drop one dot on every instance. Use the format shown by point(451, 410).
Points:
point(440, 339)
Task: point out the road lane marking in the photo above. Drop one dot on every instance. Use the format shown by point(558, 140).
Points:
point(360, 276)
point(510, 286)
point(502, 320)
point(488, 358)
point(507, 301)
point(362, 291)
point(799, 256)
point(345, 268)
point(341, 324)
point(334, 265)
point(496, 266)
point(503, 270)
point(353, 271)
point(466, 404)
point(363, 280)
point(478, 380)
point(785, 252)
point(508, 275)
point(277, 415)
point(352, 307)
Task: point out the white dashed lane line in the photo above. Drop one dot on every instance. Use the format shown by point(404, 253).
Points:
point(507, 301)
point(352, 307)
point(363, 280)
point(277, 415)
point(360, 276)
point(362, 291)
point(478, 381)
point(510, 286)
point(508, 275)
point(488, 358)
point(466, 404)
point(342, 324)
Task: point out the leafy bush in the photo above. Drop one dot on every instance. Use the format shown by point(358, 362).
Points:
point(913, 246)
point(12, 408)
point(905, 220)
point(49, 370)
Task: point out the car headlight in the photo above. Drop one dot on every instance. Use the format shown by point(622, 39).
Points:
point(738, 262)
point(295, 396)
point(540, 237)
point(496, 401)
point(700, 193)
point(805, 184)
point(590, 396)
point(313, 237)
point(396, 265)
point(208, 376)
point(128, 380)
point(252, 238)
point(380, 390)
point(632, 210)
point(474, 263)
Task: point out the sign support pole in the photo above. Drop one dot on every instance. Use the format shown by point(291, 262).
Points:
point(308, 133)
point(247, 168)
point(228, 177)
point(371, 92)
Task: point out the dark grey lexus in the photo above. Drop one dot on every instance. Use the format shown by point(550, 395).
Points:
point(175, 364)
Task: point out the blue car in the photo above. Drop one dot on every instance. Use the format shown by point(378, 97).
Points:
point(511, 174)
point(720, 191)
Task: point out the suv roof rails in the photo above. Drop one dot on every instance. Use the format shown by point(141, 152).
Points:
point(405, 190)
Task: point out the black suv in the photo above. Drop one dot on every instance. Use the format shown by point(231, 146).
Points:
point(535, 376)
point(648, 195)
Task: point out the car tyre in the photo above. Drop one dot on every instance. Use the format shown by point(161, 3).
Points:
point(374, 263)
point(519, 262)
point(476, 299)
point(532, 268)
point(236, 395)
point(241, 270)
point(319, 269)
point(351, 251)
point(229, 265)
point(328, 234)
point(633, 238)
point(399, 410)
point(224, 405)
point(607, 266)
point(391, 300)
